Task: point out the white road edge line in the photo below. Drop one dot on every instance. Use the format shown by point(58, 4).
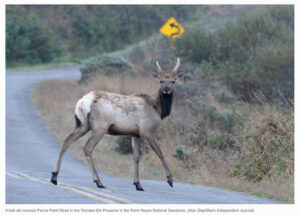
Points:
point(12, 175)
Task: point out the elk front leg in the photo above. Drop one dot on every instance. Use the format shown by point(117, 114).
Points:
point(157, 150)
point(88, 149)
point(136, 147)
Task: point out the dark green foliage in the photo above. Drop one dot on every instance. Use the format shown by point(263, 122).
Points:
point(87, 30)
point(106, 65)
point(180, 152)
point(254, 53)
point(124, 144)
point(27, 39)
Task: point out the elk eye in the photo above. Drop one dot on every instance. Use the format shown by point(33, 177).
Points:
point(173, 82)
point(161, 81)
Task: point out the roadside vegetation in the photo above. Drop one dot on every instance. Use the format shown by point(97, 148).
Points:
point(232, 123)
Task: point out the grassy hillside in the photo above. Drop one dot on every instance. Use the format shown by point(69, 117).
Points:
point(214, 136)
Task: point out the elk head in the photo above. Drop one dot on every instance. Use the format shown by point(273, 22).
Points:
point(167, 80)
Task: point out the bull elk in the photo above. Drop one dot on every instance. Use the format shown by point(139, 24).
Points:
point(138, 115)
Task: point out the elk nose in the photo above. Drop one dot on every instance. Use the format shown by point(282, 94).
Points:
point(167, 90)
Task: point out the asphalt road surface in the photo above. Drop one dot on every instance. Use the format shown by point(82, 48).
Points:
point(31, 153)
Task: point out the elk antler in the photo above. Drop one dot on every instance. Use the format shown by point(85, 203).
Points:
point(158, 68)
point(177, 66)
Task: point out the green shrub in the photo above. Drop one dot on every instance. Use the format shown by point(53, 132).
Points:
point(27, 40)
point(224, 120)
point(217, 141)
point(124, 144)
point(211, 109)
point(180, 152)
point(254, 53)
point(106, 65)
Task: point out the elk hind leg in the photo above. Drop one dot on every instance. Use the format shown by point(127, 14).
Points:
point(78, 132)
point(136, 145)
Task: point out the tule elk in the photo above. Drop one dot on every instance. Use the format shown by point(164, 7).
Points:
point(138, 115)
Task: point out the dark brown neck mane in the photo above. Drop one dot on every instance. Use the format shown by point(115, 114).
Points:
point(164, 103)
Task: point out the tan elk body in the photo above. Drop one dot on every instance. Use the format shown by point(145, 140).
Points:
point(138, 115)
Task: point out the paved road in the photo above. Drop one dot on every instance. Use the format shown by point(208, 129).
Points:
point(31, 153)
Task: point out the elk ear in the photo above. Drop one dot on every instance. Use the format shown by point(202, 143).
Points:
point(156, 74)
point(179, 74)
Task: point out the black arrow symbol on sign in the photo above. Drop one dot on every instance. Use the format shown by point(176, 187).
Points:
point(178, 29)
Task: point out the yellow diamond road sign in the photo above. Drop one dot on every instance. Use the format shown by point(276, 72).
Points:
point(172, 28)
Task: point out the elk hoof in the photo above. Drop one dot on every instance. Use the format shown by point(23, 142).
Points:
point(138, 186)
point(54, 178)
point(99, 184)
point(170, 180)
